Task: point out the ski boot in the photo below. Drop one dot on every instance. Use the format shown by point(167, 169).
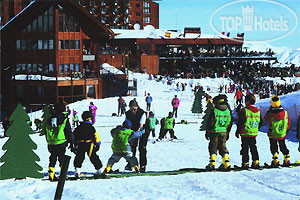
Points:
point(275, 161)
point(78, 174)
point(51, 174)
point(97, 174)
point(143, 169)
point(225, 163)
point(106, 171)
point(255, 164)
point(212, 162)
point(245, 165)
point(286, 161)
point(128, 167)
point(137, 169)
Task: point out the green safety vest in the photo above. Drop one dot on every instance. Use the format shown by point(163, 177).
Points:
point(168, 123)
point(279, 128)
point(75, 118)
point(120, 141)
point(223, 119)
point(56, 135)
point(252, 123)
point(152, 122)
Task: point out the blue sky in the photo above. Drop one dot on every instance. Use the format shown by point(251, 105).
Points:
point(272, 19)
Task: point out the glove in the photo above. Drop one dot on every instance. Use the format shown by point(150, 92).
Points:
point(237, 134)
point(227, 138)
point(143, 131)
point(207, 135)
point(96, 147)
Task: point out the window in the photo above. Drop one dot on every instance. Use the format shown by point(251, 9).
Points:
point(28, 46)
point(51, 44)
point(146, 11)
point(72, 67)
point(60, 44)
point(45, 44)
point(34, 26)
point(71, 24)
point(23, 44)
point(40, 24)
point(67, 44)
point(77, 28)
point(18, 67)
point(40, 44)
point(61, 68)
point(34, 68)
point(77, 69)
point(29, 28)
point(91, 91)
point(67, 23)
point(137, 5)
point(72, 44)
point(138, 14)
point(146, 20)
point(51, 68)
point(60, 24)
point(67, 68)
point(39, 68)
point(23, 67)
point(29, 69)
point(46, 69)
point(146, 4)
point(77, 44)
point(34, 44)
point(51, 24)
point(18, 44)
point(45, 23)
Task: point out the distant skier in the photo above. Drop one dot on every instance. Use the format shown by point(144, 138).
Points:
point(175, 104)
point(249, 121)
point(58, 135)
point(150, 124)
point(148, 100)
point(122, 136)
point(169, 123)
point(93, 109)
point(238, 95)
point(279, 124)
point(75, 118)
point(217, 131)
point(87, 141)
point(121, 106)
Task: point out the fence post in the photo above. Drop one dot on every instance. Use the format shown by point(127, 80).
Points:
point(62, 178)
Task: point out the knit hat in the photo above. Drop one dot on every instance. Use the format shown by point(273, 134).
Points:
point(86, 115)
point(275, 102)
point(127, 124)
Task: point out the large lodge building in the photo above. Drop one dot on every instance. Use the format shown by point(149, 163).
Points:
point(54, 50)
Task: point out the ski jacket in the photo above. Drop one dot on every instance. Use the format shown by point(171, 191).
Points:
point(58, 130)
point(220, 120)
point(169, 123)
point(243, 125)
point(122, 138)
point(175, 102)
point(148, 99)
point(93, 108)
point(238, 94)
point(279, 123)
point(86, 133)
point(135, 119)
point(151, 122)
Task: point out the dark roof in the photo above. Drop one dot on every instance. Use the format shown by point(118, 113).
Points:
point(89, 24)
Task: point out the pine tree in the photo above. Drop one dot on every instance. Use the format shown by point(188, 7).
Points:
point(209, 108)
point(197, 104)
point(19, 158)
point(47, 113)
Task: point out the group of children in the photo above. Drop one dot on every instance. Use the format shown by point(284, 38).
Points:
point(248, 123)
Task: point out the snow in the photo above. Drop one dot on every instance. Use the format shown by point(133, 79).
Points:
point(107, 68)
point(190, 151)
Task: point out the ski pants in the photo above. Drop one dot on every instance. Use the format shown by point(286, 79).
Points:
point(148, 106)
point(142, 142)
point(249, 143)
point(217, 142)
point(129, 157)
point(165, 131)
point(84, 148)
point(175, 109)
point(153, 132)
point(57, 152)
point(274, 146)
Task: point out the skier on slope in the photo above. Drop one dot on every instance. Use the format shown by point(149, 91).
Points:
point(150, 124)
point(87, 141)
point(122, 137)
point(169, 123)
point(58, 135)
point(249, 121)
point(279, 124)
point(217, 131)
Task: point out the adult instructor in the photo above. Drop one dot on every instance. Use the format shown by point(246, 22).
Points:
point(137, 117)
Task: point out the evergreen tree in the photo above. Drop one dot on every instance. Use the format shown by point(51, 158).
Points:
point(209, 108)
point(197, 104)
point(19, 158)
point(47, 113)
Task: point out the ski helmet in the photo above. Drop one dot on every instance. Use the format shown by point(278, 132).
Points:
point(127, 124)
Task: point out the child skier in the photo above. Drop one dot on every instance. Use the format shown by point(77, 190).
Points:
point(75, 118)
point(122, 136)
point(249, 121)
point(150, 124)
point(169, 123)
point(87, 141)
point(217, 131)
point(279, 124)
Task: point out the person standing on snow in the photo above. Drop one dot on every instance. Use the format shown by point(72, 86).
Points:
point(93, 109)
point(238, 95)
point(217, 131)
point(279, 124)
point(58, 135)
point(75, 118)
point(121, 103)
point(137, 117)
point(151, 122)
point(249, 121)
point(169, 123)
point(122, 136)
point(87, 141)
point(175, 104)
point(148, 100)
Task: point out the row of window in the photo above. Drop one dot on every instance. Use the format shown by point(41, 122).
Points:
point(69, 44)
point(35, 68)
point(34, 44)
point(44, 23)
point(67, 23)
point(68, 68)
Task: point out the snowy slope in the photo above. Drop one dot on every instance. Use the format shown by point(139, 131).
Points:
point(190, 151)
